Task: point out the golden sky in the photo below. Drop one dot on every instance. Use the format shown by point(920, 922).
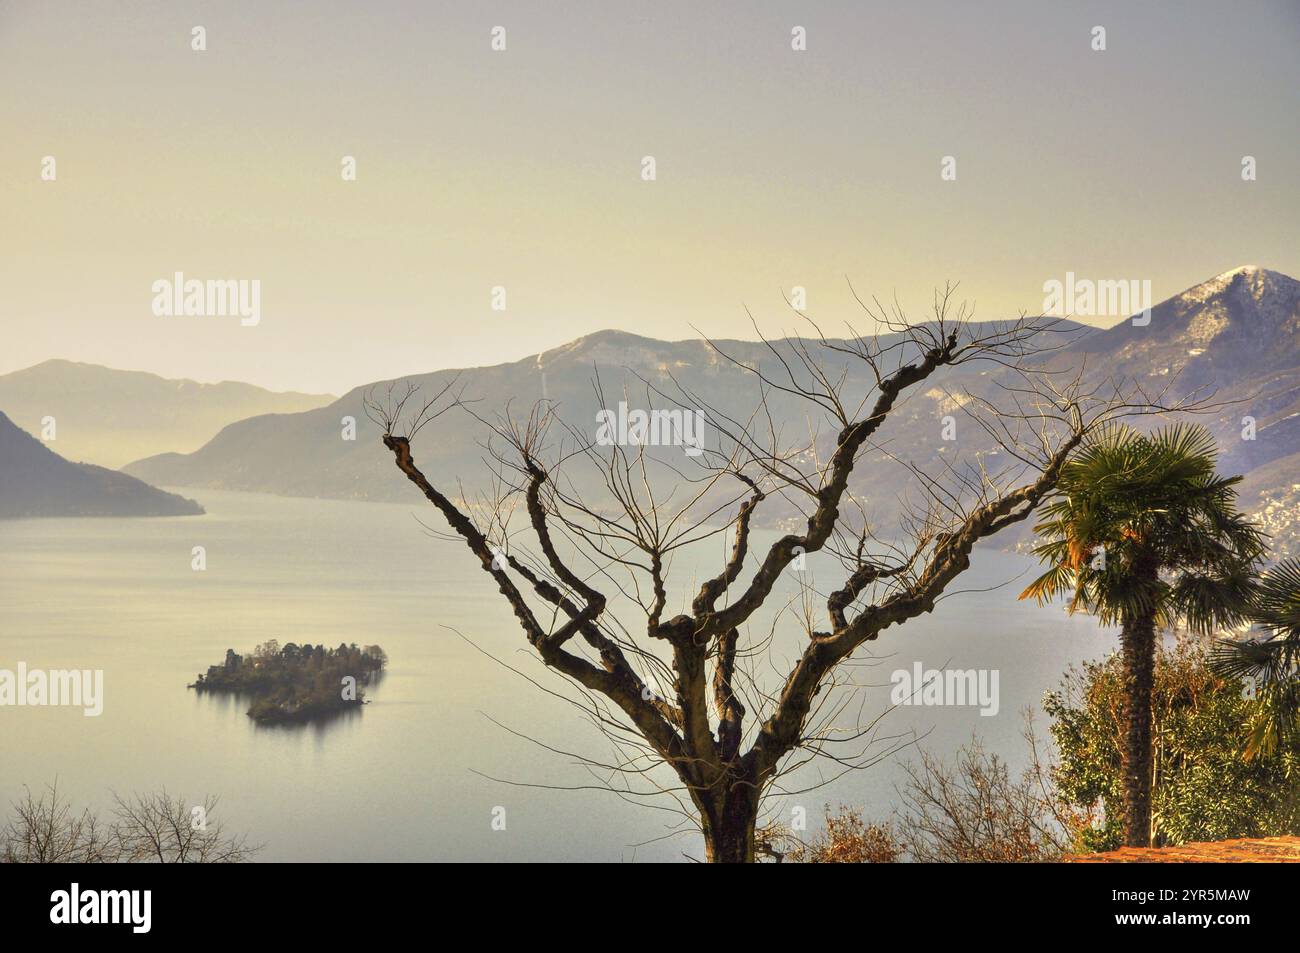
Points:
point(522, 168)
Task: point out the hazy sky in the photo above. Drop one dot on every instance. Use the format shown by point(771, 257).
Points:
point(522, 168)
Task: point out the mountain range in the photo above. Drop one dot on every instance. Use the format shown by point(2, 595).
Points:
point(1236, 335)
point(110, 417)
point(36, 481)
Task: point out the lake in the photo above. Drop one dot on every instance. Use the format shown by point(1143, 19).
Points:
point(411, 775)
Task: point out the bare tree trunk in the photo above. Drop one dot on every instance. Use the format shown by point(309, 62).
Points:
point(1138, 643)
point(728, 826)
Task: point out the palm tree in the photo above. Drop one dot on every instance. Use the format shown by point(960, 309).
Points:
point(1146, 536)
point(1273, 661)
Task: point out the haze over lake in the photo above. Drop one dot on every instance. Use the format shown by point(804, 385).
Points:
point(397, 780)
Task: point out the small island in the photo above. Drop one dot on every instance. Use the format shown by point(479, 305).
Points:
point(296, 683)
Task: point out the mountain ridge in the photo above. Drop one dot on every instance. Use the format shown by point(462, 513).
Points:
point(109, 416)
point(37, 482)
point(1229, 321)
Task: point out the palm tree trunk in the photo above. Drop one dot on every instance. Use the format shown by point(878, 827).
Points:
point(1138, 654)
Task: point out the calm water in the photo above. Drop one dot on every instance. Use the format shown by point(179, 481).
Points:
point(404, 778)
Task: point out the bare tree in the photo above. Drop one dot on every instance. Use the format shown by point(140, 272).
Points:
point(684, 689)
point(163, 829)
point(968, 810)
point(46, 830)
point(145, 828)
point(976, 811)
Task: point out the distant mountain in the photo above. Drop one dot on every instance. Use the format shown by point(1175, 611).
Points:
point(1246, 319)
point(35, 481)
point(1237, 334)
point(111, 417)
point(305, 454)
point(1271, 495)
point(1236, 337)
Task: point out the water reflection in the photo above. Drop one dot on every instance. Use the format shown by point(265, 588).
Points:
point(230, 705)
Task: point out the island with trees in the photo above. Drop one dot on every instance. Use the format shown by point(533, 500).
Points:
point(295, 683)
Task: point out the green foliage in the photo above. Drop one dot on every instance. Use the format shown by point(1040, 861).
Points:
point(1142, 523)
point(296, 682)
point(1272, 662)
point(1204, 790)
